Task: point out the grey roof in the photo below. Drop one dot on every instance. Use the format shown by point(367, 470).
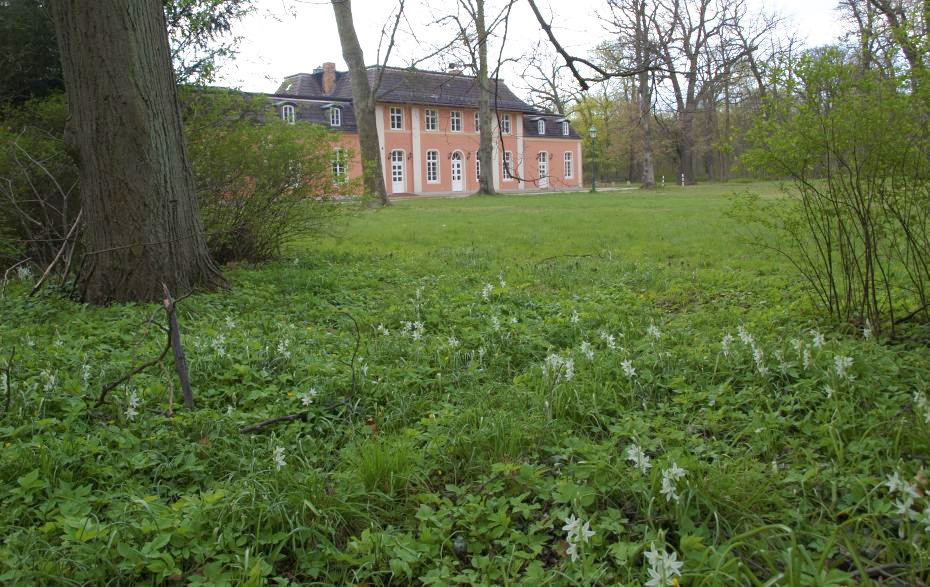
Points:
point(317, 111)
point(553, 126)
point(406, 86)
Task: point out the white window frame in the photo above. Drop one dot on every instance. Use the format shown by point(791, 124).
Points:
point(397, 118)
point(340, 170)
point(564, 128)
point(508, 165)
point(335, 116)
point(506, 127)
point(431, 119)
point(477, 169)
point(455, 121)
point(540, 127)
point(477, 122)
point(569, 161)
point(432, 166)
point(288, 113)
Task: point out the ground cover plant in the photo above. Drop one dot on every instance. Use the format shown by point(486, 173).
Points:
point(570, 389)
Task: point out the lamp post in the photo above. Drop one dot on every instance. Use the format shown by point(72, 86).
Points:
point(592, 132)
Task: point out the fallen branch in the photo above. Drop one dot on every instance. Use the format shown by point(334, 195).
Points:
point(108, 388)
point(880, 570)
point(272, 421)
point(554, 257)
point(61, 251)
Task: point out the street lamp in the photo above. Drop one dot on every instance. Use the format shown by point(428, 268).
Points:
point(592, 132)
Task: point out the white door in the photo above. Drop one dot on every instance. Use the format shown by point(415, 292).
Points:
point(543, 170)
point(398, 183)
point(457, 185)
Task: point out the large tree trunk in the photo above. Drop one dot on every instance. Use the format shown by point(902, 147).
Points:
point(685, 146)
point(142, 227)
point(485, 148)
point(363, 102)
point(643, 58)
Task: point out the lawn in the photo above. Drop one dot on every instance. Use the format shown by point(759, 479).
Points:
point(616, 388)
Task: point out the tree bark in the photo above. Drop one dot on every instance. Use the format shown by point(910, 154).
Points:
point(137, 189)
point(643, 60)
point(363, 102)
point(485, 148)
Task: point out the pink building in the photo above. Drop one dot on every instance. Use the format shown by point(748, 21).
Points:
point(428, 131)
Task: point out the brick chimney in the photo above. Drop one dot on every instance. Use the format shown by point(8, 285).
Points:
point(329, 78)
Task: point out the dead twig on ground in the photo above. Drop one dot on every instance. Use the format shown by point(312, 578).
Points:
point(8, 378)
point(61, 251)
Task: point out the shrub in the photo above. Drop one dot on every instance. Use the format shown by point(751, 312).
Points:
point(260, 181)
point(854, 144)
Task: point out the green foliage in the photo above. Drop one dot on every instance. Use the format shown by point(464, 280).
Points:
point(260, 181)
point(854, 144)
point(29, 63)
point(475, 457)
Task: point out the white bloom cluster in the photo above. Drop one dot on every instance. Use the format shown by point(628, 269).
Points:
point(818, 339)
point(283, 349)
point(664, 567)
point(50, 380)
point(842, 365)
point(744, 335)
point(670, 477)
point(453, 342)
point(500, 280)
point(628, 369)
point(639, 458)
point(495, 323)
point(920, 401)
point(587, 351)
point(230, 322)
point(23, 273)
point(278, 458)
point(654, 332)
point(132, 403)
point(725, 344)
point(382, 330)
point(85, 374)
point(575, 318)
point(414, 329)
point(759, 357)
point(486, 291)
point(557, 367)
point(218, 344)
point(609, 339)
point(308, 396)
point(907, 493)
point(577, 534)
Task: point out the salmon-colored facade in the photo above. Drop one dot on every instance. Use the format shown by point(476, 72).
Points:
point(431, 147)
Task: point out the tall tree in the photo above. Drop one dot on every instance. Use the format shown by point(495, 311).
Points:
point(137, 190)
point(364, 95)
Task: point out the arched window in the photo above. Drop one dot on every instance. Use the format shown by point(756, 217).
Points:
point(288, 114)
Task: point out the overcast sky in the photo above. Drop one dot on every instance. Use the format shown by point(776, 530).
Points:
point(286, 36)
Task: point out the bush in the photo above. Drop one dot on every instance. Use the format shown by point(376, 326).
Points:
point(854, 144)
point(39, 199)
point(260, 181)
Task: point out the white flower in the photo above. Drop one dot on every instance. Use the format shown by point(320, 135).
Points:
point(903, 506)
point(796, 344)
point(486, 291)
point(132, 403)
point(819, 339)
point(50, 380)
point(85, 373)
point(453, 342)
point(639, 458)
point(283, 348)
point(218, 345)
point(23, 273)
point(669, 477)
point(500, 280)
point(663, 567)
point(744, 335)
point(627, 366)
point(841, 365)
point(278, 458)
point(513, 320)
point(725, 344)
point(481, 352)
point(381, 329)
point(230, 410)
point(230, 323)
point(920, 401)
point(131, 413)
point(495, 323)
point(557, 367)
point(654, 332)
point(867, 330)
point(419, 293)
point(576, 534)
point(759, 357)
point(574, 317)
point(829, 391)
point(586, 350)
point(308, 396)
point(807, 359)
point(894, 483)
point(609, 339)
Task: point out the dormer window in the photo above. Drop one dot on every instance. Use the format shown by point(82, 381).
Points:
point(288, 114)
point(564, 128)
point(505, 124)
point(335, 116)
point(397, 118)
point(541, 127)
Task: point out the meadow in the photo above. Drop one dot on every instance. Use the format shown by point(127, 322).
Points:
point(619, 388)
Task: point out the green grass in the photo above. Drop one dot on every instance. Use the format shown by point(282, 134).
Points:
point(454, 453)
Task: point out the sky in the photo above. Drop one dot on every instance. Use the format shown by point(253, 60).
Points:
point(284, 37)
